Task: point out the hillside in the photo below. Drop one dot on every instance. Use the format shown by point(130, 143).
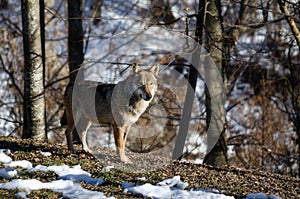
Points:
point(231, 181)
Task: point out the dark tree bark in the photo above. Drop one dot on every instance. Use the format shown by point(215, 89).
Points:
point(34, 98)
point(75, 43)
point(75, 37)
point(190, 93)
point(3, 4)
point(217, 156)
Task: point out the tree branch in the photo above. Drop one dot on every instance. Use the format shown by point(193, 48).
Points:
point(10, 74)
point(290, 20)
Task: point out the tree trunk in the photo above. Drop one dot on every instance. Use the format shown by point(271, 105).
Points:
point(190, 93)
point(75, 44)
point(217, 156)
point(34, 100)
point(75, 37)
point(3, 4)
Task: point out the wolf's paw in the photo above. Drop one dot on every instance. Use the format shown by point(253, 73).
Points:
point(71, 148)
point(88, 150)
point(124, 158)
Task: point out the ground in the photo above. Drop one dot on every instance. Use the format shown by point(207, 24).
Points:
point(231, 181)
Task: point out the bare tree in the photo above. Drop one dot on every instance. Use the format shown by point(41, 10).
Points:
point(217, 156)
point(75, 37)
point(265, 72)
point(34, 97)
point(290, 20)
point(75, 46)
point(293, 78)
point(260, 49)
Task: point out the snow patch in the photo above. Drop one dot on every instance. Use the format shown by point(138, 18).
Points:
point(74, 173)
point(8, 173)
point(261, 196)
point(171, 188)
point(5, 158)
point(46, 154)
point(20, 163)
point(67, 187)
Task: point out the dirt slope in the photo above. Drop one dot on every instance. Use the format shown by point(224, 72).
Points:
point(232, 181)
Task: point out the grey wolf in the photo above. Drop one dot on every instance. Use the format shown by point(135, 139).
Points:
point(119, 105)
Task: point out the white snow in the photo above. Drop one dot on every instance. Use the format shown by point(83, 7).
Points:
point(46, 154)
point(171, 188)
point(7, 161)
point(21, 195)
point(74, 173)
point(8, 172)
point(261, 196)
point(107, 168)
point(67, 187)
point(20, 163)
point(69, 178)
point(141, 178)
point(173, 182)
point(5, 158)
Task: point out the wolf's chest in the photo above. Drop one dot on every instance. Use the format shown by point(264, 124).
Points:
point(136, 110)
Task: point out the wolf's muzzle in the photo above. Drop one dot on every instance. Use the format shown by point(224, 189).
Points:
point(141, 93)
point(146, 96)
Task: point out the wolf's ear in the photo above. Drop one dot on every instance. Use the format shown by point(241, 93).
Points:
point(135, 68)
point(155, 69)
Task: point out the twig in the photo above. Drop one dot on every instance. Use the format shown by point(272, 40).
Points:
point(290, 20)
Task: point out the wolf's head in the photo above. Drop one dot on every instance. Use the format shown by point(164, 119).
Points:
point(143, 83)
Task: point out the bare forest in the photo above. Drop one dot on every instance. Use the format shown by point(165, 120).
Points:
point(254, 44)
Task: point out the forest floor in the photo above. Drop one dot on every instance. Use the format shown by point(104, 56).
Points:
point(231, 181)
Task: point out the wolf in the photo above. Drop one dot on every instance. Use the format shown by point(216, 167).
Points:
point(119, 105)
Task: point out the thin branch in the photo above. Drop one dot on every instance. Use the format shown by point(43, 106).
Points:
point(57, 80)
point(56, 73)
point(238, 102)
point(9, 22)
point(55, 13)
point(290, 20)
point(11, 121)
point(10, 74)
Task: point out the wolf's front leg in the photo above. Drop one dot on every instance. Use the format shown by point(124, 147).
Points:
point(120, 140)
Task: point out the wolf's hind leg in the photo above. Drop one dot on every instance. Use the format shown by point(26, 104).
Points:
point(68, 133)
point(82, 126)
point(69, 130)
